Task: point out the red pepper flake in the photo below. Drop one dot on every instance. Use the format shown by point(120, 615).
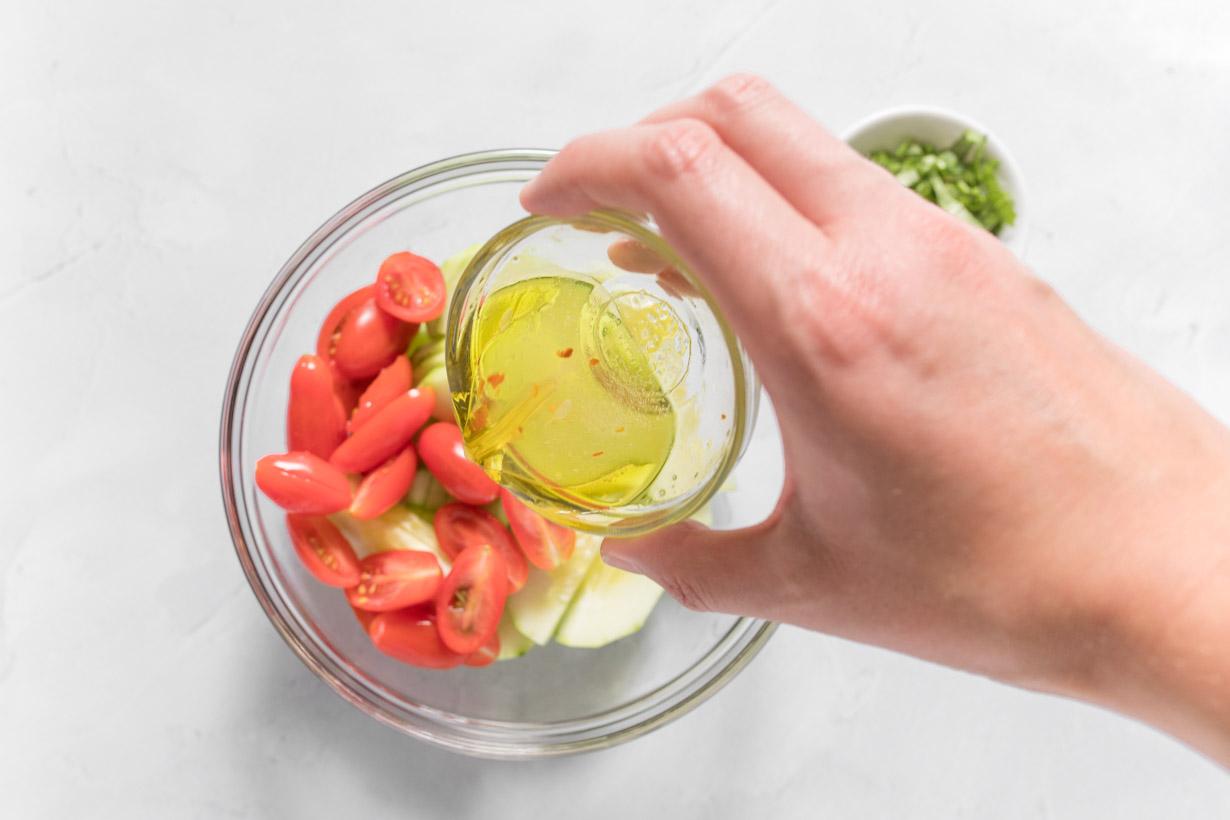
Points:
point(495, 379)
point(600, 452)
point(565, 353)
point(593, 362)
point(478, 419)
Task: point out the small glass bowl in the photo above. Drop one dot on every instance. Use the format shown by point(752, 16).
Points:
point(553, 701)
point(699, 365)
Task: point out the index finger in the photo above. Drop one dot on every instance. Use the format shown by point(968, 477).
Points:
point(732, 228)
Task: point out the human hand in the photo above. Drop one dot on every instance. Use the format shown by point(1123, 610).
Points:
point(973, 476)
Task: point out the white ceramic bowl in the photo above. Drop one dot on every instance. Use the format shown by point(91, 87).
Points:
point(937, 126)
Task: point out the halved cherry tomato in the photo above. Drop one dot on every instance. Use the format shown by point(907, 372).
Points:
point(348, 392)
point(410, 636)
point(315, 420)
point(323, 550)
point(461, 525)
point(368, 340)
point(304, 483)
point(395, 579)
point(410, 288)
point(326, 339)
point(471, 600)
point(441, 449)
point(388, 432)
point(394, 380)
point(487, 653)
point(384, 486)
point(364, 617)
point(544, 542)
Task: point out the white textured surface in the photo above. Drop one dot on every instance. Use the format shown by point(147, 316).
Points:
point(158, 161)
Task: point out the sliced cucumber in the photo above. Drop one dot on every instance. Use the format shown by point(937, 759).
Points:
point(611, 604)
point(398, 529)
point(452, 269)
point(426, 494)
point(432, 349)
point(437, 380)
point(537, 608)
point(512, 643)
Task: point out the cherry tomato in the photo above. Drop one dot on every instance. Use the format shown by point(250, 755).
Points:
point(326, 339)
point(441, 449)
point(303, 483)
point(347, 391)
point(315, 420)
point(393, 380)
point(387, 433)
point(544, 542)
point(323, 549)
point(384, 486)
point(410, 288)
point(410, 636)
point(471, 600)
point(395, 579)
point(487, 653)
point(364, 617)
point(368, 340)
point(461, 525)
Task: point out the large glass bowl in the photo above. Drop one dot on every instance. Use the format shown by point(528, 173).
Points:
point(554, 700)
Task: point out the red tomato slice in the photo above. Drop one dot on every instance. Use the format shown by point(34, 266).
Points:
point(460, 525)
point(315, 420)
point(487, 653)
point(323, 549)
point(395, 579)
point(410, 636)
point(441, 449)
point(394, 380)
point(410, 287)
point(303, 483)
point(544, 542)
point(384, 486)
point(364, 617)
point(388, 432)
point(368, 340)
point(471, 600)
point(326, 339)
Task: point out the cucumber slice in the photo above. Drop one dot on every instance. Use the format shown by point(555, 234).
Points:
point(536, 609)
point(437, 380)
point(611, 604)
point(398, 529)
point(512, 643)
point(432, 349)
point(426, 495)
point(452, 269)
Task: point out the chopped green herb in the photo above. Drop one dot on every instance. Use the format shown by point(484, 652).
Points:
point(960, 178)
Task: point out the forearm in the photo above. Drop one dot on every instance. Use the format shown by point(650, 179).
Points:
point(1170, 662)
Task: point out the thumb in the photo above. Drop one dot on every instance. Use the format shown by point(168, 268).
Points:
point(703, 569)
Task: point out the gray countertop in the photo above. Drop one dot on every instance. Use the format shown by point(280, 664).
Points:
point(158, 162)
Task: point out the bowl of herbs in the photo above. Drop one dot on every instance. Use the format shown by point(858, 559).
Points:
point(949, 160)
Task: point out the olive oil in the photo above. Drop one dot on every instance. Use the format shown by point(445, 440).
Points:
point(568, 389)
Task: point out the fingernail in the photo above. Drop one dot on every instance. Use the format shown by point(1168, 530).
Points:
point(615, 559)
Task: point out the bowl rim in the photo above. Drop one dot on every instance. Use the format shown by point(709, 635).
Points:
point(1009, 169)
point(551, 740)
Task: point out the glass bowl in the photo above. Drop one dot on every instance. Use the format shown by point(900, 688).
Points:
point(692, 365)
point(554, 700)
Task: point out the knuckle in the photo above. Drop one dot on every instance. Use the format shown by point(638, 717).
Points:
point(738, 93)
point(687, 592)
point(682, 148)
